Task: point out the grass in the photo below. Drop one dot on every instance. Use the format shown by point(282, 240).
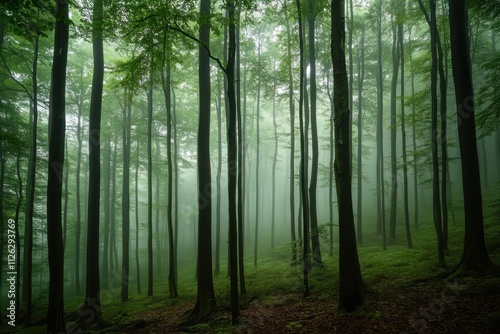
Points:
point(274, 281)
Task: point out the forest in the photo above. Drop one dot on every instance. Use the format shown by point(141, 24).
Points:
point(240, 166)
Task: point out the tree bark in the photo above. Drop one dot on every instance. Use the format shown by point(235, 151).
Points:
point(350, 281)
point(92, 294)
point(475, 255)
point(316, 250)
point(57, 132)
point(205, 299)
point(361, 75)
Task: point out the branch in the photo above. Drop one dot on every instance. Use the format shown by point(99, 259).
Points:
point(182, 32)
point(14, 79)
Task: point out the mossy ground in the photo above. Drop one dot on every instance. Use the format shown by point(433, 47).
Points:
point(406, 291)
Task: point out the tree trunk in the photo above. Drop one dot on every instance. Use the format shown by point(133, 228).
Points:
point(292, 137)
point(394, 168)
point(112, 213)
point(241, 158)
point(414, 135)
point(127, 110)
point(316, 250)
point(303, 162)
point(350, 281)
point(434, 130)
point(30, 190)
point(403, 134)
point(150, 188)
point(57, 129)
point(257, 158)
point(92, 294)
point(172, 284)
point(275, 156)
point(205, 299)
point(380, 135)
point(474, 256)
point(361, 75)
point(137, 261)
point(218, 177)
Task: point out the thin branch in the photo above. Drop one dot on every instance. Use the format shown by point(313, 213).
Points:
point(182, 32)
point(14, 79)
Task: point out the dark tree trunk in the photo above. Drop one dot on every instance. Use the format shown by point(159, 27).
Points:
point(172, 284)
point(137, 262)
point(394, 167)
point(435, 138)
point(205, 299)
point(275, 156)
point(241, 158)
point(150, 188)
point(380, 134)
point(475, 255)
point(303, 161)
point(107, 186)
point(403, 135)
point(112, 213)
point(316, 251)
point(127, 110)
point(292, 137)
point(257, 158)
point(92, 294)
point(78, 227)
point(350, 281)
point(57, 129)
point(414, 135)
point(218, 177)
point(330, 166)
point(361, 75)
point(232, 171)
point(30, 191)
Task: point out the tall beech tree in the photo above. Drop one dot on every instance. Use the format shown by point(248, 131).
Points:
point(350, 281)
point(57, 132)
point(205, 298)
point(474, 256)
point(92, 291)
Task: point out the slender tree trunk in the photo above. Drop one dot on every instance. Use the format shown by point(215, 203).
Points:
point(112, 214)
point(361, 75)
point(205, 299)
point(380, 134)
point(78, 227)
point(403, 134)
point(275, 130)
point(292, 136)
point(17, 238)
point(107, 186)
point(172, 285)
point(176, 177)
point(158, 234)
point(137, 264)
point(394, 168)
point(435, 138)
point(414, 134)
point(232, 173)
point(303, 161)
point(92, 294)
point(241, 157)
point(350, 281)
point(316, 250)
point(150, 187)
point(330, 165)
point(30, 191)
point(218, 178)
point(257, 158)
point(474, 256)
point(57, 127)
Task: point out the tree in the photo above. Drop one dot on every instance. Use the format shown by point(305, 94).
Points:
point(314, 133)
point(361, 75)
point(394, 82)
point(350, 281)
point(474, 256)
point(205, 298)
point(92, 294)
point(57, 126)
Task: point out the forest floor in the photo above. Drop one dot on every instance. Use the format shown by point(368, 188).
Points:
point(435, 305)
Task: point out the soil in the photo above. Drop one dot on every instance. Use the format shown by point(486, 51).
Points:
point(467, 305)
